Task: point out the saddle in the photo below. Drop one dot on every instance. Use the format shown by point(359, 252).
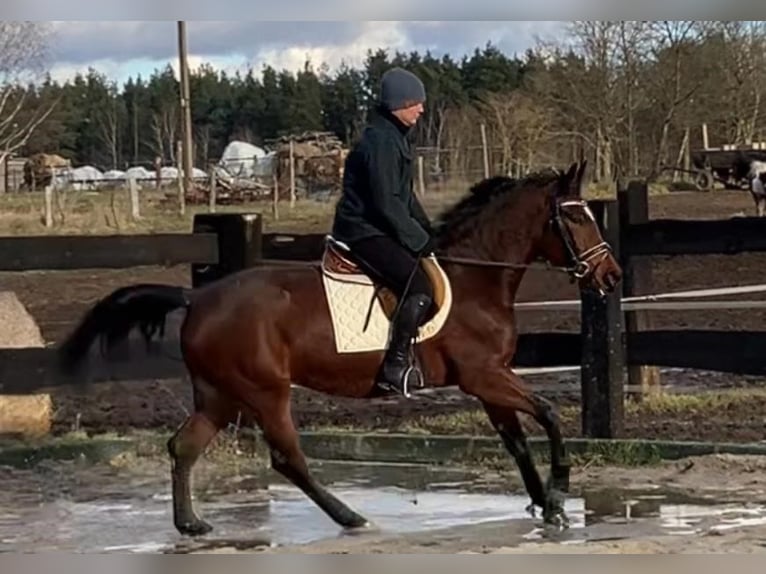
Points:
point(338, 262)
point(362, 308)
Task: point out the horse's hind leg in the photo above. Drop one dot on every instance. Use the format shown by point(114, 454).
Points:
point(272, 408)
point(185, 447)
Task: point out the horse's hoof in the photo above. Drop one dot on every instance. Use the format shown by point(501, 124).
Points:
point(531, 510)
point(194, 528)
point(554, 515)
point(555, 519)
point(361, 528)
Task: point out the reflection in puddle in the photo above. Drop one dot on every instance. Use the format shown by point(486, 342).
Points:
point(398, 510)
point(103, 509)
point(673, 512)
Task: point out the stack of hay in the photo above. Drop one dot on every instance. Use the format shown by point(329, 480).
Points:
point(25, 415)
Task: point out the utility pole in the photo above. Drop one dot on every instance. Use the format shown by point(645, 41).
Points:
point(185, 109)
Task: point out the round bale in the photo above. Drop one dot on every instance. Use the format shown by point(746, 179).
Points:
point(21, 415)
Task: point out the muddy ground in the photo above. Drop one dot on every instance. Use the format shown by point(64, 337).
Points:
point(736, 526)
point(705, 504)
point(57, 299)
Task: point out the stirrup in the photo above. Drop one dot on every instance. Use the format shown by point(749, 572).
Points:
point(404, 389)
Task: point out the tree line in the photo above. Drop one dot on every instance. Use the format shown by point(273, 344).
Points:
point(630, 95)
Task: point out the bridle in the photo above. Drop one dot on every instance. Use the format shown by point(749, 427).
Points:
point(581, 264)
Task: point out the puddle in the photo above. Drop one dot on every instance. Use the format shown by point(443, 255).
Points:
point(102, 509)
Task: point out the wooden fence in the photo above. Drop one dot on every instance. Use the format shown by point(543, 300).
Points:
point(610, 339)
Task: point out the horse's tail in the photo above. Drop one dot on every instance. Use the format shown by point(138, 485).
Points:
point(111, 319)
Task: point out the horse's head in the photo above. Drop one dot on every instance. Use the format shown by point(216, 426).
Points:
point(572, 237)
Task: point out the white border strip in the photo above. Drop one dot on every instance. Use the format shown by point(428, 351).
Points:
point(650, 305)
point(633, 303)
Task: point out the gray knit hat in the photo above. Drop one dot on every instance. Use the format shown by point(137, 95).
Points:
point(399, 87)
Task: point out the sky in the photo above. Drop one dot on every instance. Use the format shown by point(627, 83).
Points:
point(120, 49)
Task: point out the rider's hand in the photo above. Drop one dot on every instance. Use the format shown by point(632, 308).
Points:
point(429, 247)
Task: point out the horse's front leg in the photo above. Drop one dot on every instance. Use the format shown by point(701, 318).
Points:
point(503, 393)
point(547, 416)
point(506, 423)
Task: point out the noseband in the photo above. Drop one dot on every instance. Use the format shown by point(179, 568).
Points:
point(583, 263)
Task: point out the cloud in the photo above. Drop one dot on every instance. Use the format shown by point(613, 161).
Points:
point(122, 49)
point(370, 36)
point(81, 42)
point(463, 37)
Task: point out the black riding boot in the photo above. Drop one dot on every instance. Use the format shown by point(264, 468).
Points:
point(396, 373)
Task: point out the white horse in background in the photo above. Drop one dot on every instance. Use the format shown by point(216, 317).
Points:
point(757, 178)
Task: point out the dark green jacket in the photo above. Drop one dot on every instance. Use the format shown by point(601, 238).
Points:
point(377, 197)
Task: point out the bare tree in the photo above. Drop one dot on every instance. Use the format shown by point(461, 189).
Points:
point(584, 84)
point(109, 126)
point(498, 109)
point(742, 62)
point(202, 143)
point(632, 45)
point(459, 136)
point(165, 124)
point(22, 55)
point(520, 123)
point(673, 84)
point(436, 121)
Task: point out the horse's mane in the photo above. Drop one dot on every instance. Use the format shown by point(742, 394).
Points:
point(486, 193)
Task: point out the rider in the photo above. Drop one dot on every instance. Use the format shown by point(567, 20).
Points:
point(382, 222)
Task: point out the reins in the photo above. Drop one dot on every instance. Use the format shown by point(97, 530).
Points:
point(543, 266)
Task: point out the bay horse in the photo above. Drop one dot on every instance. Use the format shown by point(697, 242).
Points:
point(248, 337)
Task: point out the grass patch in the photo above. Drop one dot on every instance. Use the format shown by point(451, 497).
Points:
point(469, 422)
point(228, 448)
point(242, 448)
point(680, 404)
point(628, 453)
point(473, 421)
point(107, 212)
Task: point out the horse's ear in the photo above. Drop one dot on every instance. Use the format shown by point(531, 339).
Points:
point(567, 180)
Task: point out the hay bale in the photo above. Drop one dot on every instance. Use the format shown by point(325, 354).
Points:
point(25, 415)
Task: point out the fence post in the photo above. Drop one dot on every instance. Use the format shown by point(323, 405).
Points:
point(135, 204)
point(292, 174)
point(421, 177)
point(181, 178)
point(49, 206)
point(601, 376)
point(239, 244)
point(637, 278)
point(212, 197)
point(6, 175)
point(484, 149)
